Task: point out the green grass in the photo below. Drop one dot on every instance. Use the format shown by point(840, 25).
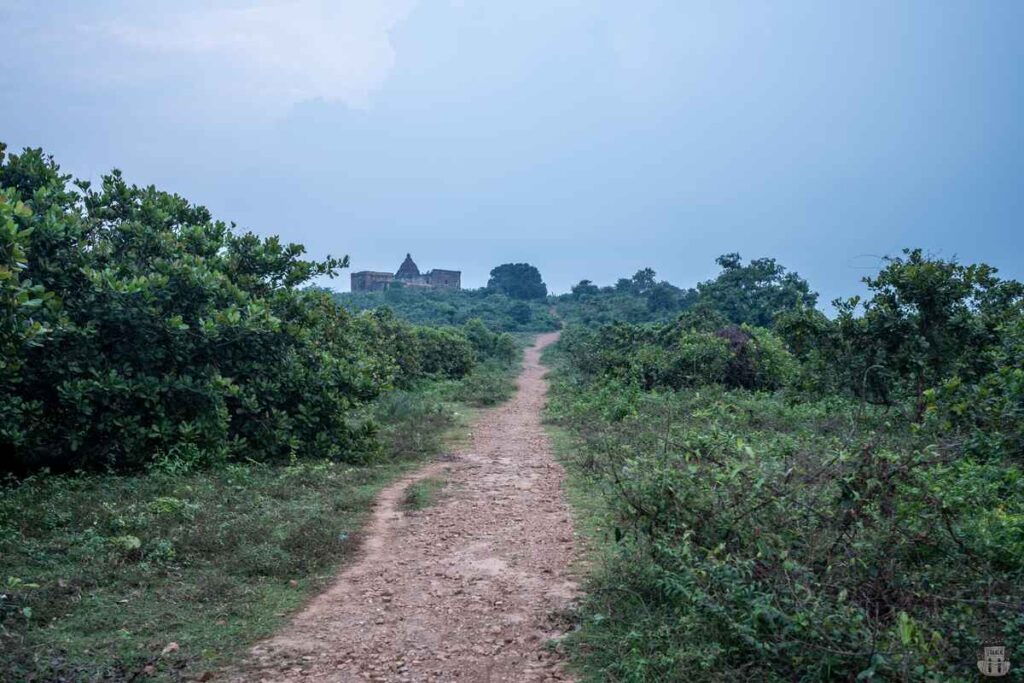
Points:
point(126, 565)
point(490, 384)
point(592, 518)
point(423, 493)
point(99, 573)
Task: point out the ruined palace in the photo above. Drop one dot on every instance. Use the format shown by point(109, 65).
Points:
point(408, 275)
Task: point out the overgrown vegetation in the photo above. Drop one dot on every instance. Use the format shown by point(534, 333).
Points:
point(189, 438)
point(751, 293)
point(138, 330)
point(825, 500)
point(495, 309)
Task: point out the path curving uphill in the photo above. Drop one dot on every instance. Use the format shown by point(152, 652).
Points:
point(465, 590)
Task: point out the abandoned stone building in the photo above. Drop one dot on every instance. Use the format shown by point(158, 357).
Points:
point(408, 275)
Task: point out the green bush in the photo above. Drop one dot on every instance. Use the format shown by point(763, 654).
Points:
point(988, 414)
point(490, 384)
point(859, 515)
point(927, 322)
point(490, 345)
point(674, 356)
point(138, 331)
point(788, 541)
point(136, 326)
point(496, 310)
point(444, 352)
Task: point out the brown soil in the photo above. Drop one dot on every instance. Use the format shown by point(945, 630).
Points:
point(469, 589)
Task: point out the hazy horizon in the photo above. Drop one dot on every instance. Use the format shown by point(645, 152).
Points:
point(590, 139)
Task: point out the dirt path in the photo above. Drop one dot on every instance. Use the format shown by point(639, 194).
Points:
point(465, 590)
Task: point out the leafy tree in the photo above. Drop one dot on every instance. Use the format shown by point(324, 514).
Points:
point(489, 345)
point(929, 320)
point(643, 280)
point(584, 288)
point(754, 293)
point(640, 298)
point(518, 280)
point(664, 297)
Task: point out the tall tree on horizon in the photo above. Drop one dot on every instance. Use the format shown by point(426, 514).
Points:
point(518, 280)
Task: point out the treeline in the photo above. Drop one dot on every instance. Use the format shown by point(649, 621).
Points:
point(137, 329)
point(496, 309)
point(798, 497)
point(741, 293)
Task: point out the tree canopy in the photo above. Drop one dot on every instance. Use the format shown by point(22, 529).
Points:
point(518, 280)
point(754, 293)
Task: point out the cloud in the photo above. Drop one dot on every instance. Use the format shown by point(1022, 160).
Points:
point(271, 54)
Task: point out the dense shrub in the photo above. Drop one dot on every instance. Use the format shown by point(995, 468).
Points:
point(496, 310)
point(490, 345)
point(168, 333)
point(865, 523)
point(674, 355)
point(988, 414)
point(790, 541)
point(638, 299)
point(138, 329)
point(444, 352)
point(752, 294)
point(927, 322)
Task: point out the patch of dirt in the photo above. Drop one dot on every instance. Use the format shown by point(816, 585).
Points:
point(466, 590)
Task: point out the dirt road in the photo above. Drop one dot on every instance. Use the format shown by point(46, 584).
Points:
point(465, 590)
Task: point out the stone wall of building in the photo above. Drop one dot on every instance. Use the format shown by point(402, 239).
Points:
point(445, 279)
point(408, 275)
point(371, 281)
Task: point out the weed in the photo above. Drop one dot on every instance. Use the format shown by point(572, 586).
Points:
point(422, 493)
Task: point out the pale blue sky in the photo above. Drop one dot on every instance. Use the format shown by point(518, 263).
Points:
point(591, 138)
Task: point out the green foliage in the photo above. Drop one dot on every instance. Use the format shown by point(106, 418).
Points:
point(676, 355)
point(444, 352)
point(138, 330)
point(804, 534)
point(455, 307)
point(987, 414)
point(152, 329)
point(926, 323)
point(787, 541)
point(635, 300)
point(101, 571)
point(490, 345)
point(518, 280)
point(754, 293)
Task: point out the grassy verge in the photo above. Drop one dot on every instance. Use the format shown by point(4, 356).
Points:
point(170, 573)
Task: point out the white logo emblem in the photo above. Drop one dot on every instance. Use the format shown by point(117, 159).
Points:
point(993, 662)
